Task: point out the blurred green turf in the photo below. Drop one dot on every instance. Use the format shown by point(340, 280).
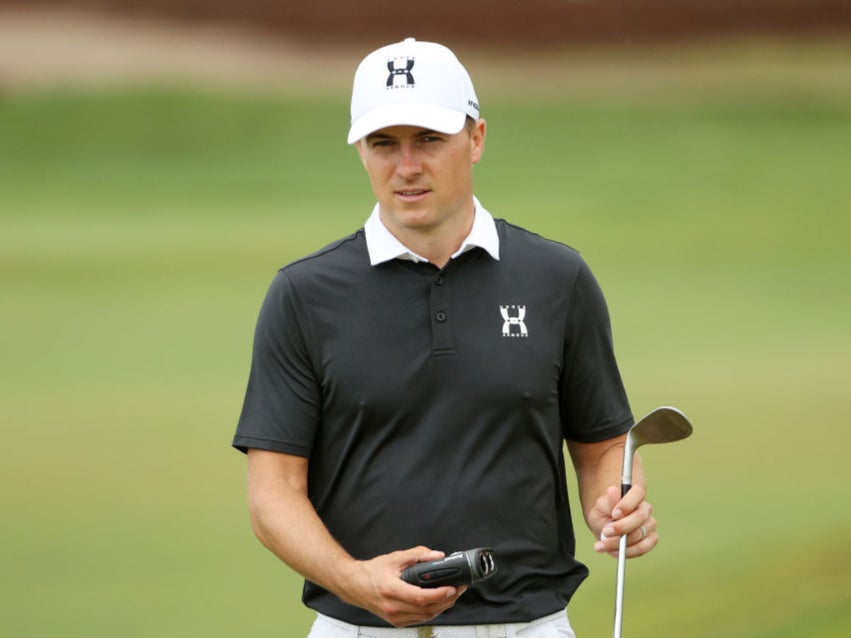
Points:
point(140, 227)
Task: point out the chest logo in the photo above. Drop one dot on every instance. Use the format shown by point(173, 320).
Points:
point(514, 321)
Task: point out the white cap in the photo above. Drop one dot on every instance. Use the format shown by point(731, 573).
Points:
point(411, 83)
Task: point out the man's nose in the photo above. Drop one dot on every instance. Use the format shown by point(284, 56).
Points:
point(409, 164)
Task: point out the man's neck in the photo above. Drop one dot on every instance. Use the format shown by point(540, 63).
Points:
point(437, 243)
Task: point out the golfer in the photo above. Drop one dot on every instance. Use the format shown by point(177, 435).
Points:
point(413, 384)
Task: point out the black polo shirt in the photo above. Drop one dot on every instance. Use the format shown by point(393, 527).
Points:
point(433, 405)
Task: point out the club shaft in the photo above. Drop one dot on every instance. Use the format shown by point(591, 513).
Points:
point(619, 591)
point(625, 485)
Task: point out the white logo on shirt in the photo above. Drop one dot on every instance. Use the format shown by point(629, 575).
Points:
point(513, 324)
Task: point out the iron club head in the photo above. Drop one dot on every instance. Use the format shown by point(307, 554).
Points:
point(662, 425)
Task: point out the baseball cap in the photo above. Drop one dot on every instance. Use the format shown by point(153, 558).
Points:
point(413, 83)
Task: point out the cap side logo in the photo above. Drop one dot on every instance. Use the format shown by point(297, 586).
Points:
point(396, 72)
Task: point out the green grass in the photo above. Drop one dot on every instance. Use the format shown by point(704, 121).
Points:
point(139, 228)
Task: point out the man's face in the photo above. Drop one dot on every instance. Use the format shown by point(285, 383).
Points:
point(422, 179)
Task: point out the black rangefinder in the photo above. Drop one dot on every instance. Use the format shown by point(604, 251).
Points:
point(459, 568)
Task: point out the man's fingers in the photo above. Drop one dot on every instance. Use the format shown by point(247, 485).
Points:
point(418, 605)
point(630, 501)
point(421, 554)
point(639, 540)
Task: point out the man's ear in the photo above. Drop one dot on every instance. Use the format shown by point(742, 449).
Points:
point(477, 140)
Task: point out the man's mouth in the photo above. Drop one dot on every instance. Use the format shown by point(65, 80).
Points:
point(412, 192)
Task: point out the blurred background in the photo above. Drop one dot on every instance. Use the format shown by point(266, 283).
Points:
point(159, 160)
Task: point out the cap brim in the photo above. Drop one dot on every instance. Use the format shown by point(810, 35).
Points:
point(430, 116)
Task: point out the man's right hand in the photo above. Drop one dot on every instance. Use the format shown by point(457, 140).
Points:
point(376, 585)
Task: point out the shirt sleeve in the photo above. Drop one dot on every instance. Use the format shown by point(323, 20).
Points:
point(594, 404)
point(282, 401)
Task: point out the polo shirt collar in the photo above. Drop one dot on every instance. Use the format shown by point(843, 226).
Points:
point(383, 246)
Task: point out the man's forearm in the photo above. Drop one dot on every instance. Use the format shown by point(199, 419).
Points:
point(286, 522)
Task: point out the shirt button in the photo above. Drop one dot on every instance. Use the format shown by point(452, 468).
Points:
point(440, 316)
point(438, 281)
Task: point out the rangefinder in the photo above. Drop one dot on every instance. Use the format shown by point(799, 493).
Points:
point(459, 568)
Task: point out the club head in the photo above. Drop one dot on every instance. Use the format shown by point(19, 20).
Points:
point(662, 425)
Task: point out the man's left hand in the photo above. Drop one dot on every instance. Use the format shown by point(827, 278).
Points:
point(613, 517)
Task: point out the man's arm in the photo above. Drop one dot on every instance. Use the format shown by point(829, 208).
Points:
point(285, 521)
point(598, 473)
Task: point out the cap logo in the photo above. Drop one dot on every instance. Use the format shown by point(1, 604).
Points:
point(396, 72)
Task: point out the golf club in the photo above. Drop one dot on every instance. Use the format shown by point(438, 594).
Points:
point(662, 425)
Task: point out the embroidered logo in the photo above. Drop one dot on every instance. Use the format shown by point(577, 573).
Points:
point(398, 72)
point(514, 321)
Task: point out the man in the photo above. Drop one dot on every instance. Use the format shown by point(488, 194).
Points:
point(412, 386)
